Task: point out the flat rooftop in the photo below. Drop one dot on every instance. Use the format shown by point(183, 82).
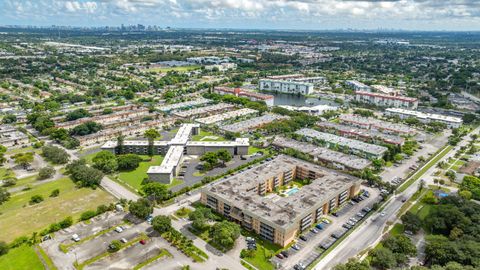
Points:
point(252, 123)
point(171, 160)
point(225, 116)
point(323, 153)
point(371, 122)
point(196, 102)
point(240, 191)
point(422, 115)
point(183, 134)
point(366, 133)
point(202, 110)
point(342, 141)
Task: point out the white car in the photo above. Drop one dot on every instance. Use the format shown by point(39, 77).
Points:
point(118, 229)
point(383, 214)
point(75, 238)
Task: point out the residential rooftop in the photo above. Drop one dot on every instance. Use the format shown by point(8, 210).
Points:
point(373, 123)
point(323, 153)
point(361, 132)
point(252, 123)
point(240, 190)
point(342, 141)
point(225, 116)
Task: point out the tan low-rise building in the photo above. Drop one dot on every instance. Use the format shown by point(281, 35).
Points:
point(263, 200)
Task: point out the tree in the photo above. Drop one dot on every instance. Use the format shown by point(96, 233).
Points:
point(36, 199)
point(151, 134)
point(55, 193)
point(77, 114)
point(225, 233)
point(210, 160)
point(383, 258)
point(3, 248)
point(23, 159)
point(105, 161)
point(157, 191)
point(54, 154)
point(45, 172)
point(60, 134)
point(224, 156)
point(9, 119)
point(465, 194)
point(411, 222)
point(4, 195)
point(84, 175)
point(142, 208)
point(161, 224)
point(353, 264)
point(128, 162)
point(115, 246)
point(451, 175)
point(472, 184)
point(120, 142)
point(86, 128)
point(400, 244)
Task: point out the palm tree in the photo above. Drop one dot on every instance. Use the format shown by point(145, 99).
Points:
point(151, 134)
point(120, 140)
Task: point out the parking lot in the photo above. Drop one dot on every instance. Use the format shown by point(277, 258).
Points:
point(318, 240)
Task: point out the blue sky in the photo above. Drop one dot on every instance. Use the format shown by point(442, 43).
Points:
point(251, 14)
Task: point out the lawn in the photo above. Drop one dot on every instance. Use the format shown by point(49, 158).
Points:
point(21, 258)
point(252, 150)
point(4, 173)
point(397, 229)
point(265, 250)
point(179, 69)
point(134, 178)
point(19, 218)
point(207, 136)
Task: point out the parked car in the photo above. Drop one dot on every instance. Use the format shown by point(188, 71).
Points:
point(302, 237)
point(123, 240)
point(313, 230)
point(118, 229)
point(346, 226)
point(143, 242)
point(280, 256)
point(285, 253)
point(319, 226)
point(296, 247)
point(75, 238)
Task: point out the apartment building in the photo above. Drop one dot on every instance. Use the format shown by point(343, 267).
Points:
point(366, 135)
point(241, 92)
point(251, 197)
point(214, 119)
point(112, 120)
point(353, 146)
point(183, 105)
point(450, 121)
point(253, 123)
point(288, 87)
point(358, 86)
point(385, 100)
point(11, 137)
point(175, 149)
point(204, 111)
point(322, 155)
point(376, 124)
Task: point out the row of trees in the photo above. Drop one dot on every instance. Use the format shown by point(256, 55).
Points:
point(108, 162)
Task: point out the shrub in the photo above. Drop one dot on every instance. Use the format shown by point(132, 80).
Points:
point(45, 173)
point(88, 215)
point(36, 199)
point(55, 193)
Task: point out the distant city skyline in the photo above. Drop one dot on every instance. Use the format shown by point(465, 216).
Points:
point(249, 14)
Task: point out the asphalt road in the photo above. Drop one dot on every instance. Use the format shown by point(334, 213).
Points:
point(370, 232)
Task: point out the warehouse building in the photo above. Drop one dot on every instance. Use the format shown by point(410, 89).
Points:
point(251, 197)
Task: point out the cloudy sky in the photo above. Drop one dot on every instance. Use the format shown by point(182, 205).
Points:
point(250, 14)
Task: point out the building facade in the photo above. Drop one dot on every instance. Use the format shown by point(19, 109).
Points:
point(288, 87)
point(384, 100)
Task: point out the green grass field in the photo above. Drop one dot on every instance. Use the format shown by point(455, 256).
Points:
point(179, 69)
point(201, 136)
point(19, 218)
point(265, 250)
point(397, 229)
point(134, 178)
point(21, 258)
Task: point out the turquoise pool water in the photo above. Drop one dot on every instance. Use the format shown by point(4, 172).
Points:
point(292, 191)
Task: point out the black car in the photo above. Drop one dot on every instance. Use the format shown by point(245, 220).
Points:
point(284, 253)
point(302, 237)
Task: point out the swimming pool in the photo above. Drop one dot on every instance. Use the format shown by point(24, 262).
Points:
point(292, 191)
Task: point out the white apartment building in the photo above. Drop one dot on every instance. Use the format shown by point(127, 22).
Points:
point(450, 121)
point(288, 87)
point(383, 100)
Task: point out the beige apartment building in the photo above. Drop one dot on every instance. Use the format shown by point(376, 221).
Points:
point(263, 200)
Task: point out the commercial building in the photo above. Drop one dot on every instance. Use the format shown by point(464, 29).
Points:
point(250, 197)
point(11, 137)
point(323, 155)
point(175, 149)
point(252, 123)
point(384, 100)
point(376, 124)
point(450, 121)
point(288, 87)
point(241, 92)
point(333, 141)
point(225, 116)
point(360, 133)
